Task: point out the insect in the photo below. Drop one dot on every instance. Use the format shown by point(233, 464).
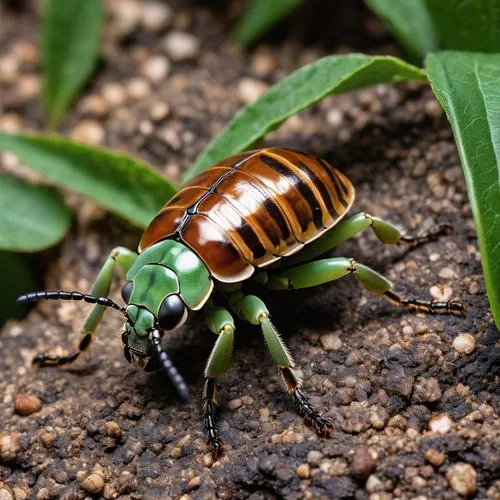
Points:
point(263, 215)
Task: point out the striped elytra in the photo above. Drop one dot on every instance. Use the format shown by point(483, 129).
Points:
point(253, 208)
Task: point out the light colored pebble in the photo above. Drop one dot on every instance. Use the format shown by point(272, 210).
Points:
point(92, 483)
point(234, 404)
point(447, 273)
point(5, 494)
point(440, 423)
point(138, 88)
point(427, 390)
point(10, 122)
point(314, 458)
point(88, 131)
point(9, 69)
point(26, 404)
point(441, 293)
point(303, 471)
point(155, 68)
point(159, 111)
point(94, 104)
point(379, 418)
point(48, 437)
point(181, 46)
point(146, 127)
point(250, 89)
point(462, 478)
point(156, 16)
point(464, 343)
point(263, 63)
point(176, 452)
point(334, 117)
point(331, 341)
point(114, 94)
point(9, 446)
point(435, 457)
point(194, 483)
point(128, 14)
point(374, 484)
point(112, 429)
point(29, 86)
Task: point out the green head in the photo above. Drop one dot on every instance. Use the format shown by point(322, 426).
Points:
point(165, 282)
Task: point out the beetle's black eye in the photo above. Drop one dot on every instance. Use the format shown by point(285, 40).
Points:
point(172, 313)
point(127, 290)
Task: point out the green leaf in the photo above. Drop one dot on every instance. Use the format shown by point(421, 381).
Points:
point(260, 16)
point(303, 88)
point(472, 25)
point(119, 183)
point(17, 277)
point(410, 22)
point(71, 32)
point(467, 85)
point(32, 217)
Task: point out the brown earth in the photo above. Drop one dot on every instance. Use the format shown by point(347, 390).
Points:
point(413, 399)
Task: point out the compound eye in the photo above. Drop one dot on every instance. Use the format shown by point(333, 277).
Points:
point(127, 290)
point(172, 313)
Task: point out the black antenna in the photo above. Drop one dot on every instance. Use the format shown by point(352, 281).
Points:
point(60, 295)
point(171, 371)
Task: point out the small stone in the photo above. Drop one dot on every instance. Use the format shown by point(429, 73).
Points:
point(331, 342)
point(464, 343)
point(314, 458)
point(9, 446)
point(440, 423)
point(462, 478)
point(29, 86)
point(234, 404)
point(9, 69)
point(194, 483)
point(374, 484)
point(128, 15)
point(156, 16)
point(155, 68)
point(208, 460)
point(159, 111)
point(176, 452)
point(138, 88)
point(303, 471)
point(114, 94)
point(5, 494)
point(247, 400)
point(88, 131)
point(94, 104)
point(435, 457)
point(92, 483)
point(10, 123)
point(250, 89)
point(24, 404)
point(181, 46)
point(362, 463)
point(379, 418)
point(263, 63)
point(447, 273)
point(112, 429)
point(427, 390)
point(48, 437)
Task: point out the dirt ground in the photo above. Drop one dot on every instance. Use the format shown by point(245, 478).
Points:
point(413, 399)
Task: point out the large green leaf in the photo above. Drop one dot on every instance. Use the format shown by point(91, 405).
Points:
point(410, 22)
point(303, 88)
point(467, 86)
point(71, 31)
point(31, 217)
point(472, 25)
point(260, 16)
point(119, 183)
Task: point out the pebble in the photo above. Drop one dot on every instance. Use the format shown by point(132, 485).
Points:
point(114, 94)
point(287, 437)
point(128, 15)
point(9, 69)
point(447, 273)
point(9, 446)
point(462, 478)
point(427, 390)
point(88, 131)
point(303, 471)
point(374, 484)
point(5, 494)
point(234, 404)
point(48, 437)
point(379, 418)
point(331, 341)
point(440, 423)
point(25, 404)
point(435, 457)
point(250, 89)
point(181, 46)
point(464, 343)
point(156, 16)
point(138, 88)
point(10, 123)
point(94, 104)
point(362, 464)
point(112, 429)
point(92, 483)
point(155, 68)
point(29, 86)
point(314, 458)
point(194, 483)
point(159, 111)
point(263, 63)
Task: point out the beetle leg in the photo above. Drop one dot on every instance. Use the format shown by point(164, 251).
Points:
point(124, 258)
point(322, 271)
point(252, 309)
point(385, 231)
point(221, 323)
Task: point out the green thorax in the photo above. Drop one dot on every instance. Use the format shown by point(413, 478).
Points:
point(165, 268)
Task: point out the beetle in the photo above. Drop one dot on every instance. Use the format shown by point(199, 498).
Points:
point(265, 215)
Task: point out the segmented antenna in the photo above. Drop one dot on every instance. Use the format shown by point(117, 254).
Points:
point(171, 371)
point(61, 295)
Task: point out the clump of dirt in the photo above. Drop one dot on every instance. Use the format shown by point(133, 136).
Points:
point(414, 399)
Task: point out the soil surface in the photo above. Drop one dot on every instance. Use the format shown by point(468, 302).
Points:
point(413, 399)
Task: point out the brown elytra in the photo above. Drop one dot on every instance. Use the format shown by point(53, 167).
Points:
point(253, 208)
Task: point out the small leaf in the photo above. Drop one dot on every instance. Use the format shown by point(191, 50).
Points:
point(119, 183)
point(33, 217)
point(260, 16)
point(303, 88)
point(410, 22)
point(467, 85)
point(71, 32)
point(467, 25)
